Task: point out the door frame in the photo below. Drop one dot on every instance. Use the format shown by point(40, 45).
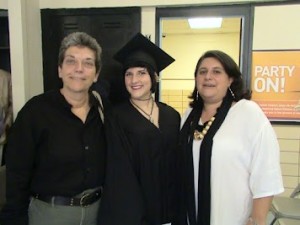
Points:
point(245, 11)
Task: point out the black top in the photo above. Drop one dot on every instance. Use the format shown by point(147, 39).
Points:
point(50, 151)
point(153, 155)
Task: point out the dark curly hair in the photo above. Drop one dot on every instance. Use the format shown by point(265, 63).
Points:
point(231, 68)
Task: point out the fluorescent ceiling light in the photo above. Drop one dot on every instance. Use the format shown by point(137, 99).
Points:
point(205, 22)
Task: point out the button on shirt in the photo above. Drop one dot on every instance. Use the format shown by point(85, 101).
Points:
point(52, 152)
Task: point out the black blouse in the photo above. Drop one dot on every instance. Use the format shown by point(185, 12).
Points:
point(50, 151)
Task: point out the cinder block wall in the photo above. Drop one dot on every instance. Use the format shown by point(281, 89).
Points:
point(289, 141)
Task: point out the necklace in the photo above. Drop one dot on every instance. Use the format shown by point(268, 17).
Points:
point(200, 135)
point(143, 111)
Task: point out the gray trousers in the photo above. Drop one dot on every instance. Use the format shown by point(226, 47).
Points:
point(42, 213)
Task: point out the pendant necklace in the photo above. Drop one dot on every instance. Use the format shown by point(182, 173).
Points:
point(200, 135)
point(143, 111)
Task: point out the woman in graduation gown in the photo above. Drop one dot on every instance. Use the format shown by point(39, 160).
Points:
point(141, 185)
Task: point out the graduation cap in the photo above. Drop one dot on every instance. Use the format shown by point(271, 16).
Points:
point(141, 51)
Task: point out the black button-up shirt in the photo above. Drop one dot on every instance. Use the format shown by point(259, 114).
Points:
point(51, 151)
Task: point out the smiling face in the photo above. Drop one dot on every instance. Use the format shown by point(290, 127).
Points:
point(78, 70)
point(138, 82)
point(212, 81)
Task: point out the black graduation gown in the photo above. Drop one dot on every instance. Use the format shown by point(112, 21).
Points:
point(147, 166)
point(121, 201)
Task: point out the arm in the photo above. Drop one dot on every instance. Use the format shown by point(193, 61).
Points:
point(5, 104)
point(19, 163)
point(9, 111)
point(260, 210)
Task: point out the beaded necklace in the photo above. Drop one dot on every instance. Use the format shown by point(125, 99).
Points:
point(200, 135)
point(143, 111)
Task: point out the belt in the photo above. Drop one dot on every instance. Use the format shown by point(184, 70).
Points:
point(83, 201)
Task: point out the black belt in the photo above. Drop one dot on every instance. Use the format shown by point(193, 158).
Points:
point(83, 201)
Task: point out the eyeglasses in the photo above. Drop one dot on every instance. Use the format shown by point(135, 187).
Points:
point(86, 63)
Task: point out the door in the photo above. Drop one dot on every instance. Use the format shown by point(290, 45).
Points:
point(186, 45)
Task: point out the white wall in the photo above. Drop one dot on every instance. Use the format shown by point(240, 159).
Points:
point(25, 50)
point(3, 4)
point(126, 3)
point(187, 49)
point(282, 34)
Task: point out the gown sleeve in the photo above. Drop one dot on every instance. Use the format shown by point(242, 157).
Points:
point(121, 202)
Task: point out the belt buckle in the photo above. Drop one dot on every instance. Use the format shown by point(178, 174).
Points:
point(82, 199)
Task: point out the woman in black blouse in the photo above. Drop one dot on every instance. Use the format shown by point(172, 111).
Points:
point(56, 149)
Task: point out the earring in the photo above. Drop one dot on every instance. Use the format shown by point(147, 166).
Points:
point(197, 96)
point(231, 92)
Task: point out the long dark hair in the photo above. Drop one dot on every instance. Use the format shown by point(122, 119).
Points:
point(231, 68)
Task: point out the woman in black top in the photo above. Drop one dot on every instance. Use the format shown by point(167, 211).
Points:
point(151, 129)
point(56, 149)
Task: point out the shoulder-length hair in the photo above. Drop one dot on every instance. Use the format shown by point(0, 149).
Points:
point(231, 69)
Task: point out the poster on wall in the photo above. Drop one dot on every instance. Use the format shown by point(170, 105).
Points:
point(275, 84)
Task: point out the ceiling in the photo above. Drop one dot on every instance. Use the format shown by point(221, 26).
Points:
point(181, 26)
